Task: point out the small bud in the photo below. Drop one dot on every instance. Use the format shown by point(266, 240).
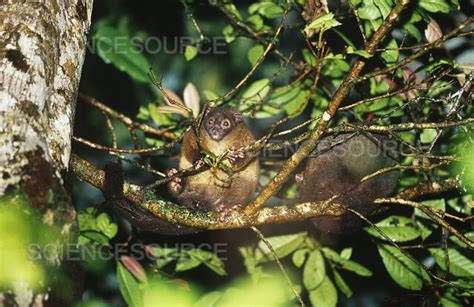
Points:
point(134, 267)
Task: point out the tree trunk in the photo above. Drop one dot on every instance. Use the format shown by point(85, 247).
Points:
point(42, 48)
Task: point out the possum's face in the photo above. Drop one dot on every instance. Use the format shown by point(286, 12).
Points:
point(220, 122)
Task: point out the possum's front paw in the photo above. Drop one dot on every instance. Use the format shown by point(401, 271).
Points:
point(235, 156)
point(176, 184)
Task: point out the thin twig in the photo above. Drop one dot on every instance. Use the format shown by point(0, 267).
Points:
point(280, 265)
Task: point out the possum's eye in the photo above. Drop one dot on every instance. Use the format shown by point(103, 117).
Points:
point(210, 121)
point(226, 123)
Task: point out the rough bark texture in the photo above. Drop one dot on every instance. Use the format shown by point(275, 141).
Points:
point(42, 48)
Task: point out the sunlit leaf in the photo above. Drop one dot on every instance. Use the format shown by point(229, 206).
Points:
point(190, 52)
point(308, 57)
point(267, 9)
point(256, 21)
point(128, 287)
point(314, 270)
point(209, 299)
point(362, 53)
point(283, 246)
point(402, 269)
point(323, 23)
point(341, 284)
point(325, 295)
point(435, 6)
point(346, 253)
point(345, 263)
point(397, 228)
point(299, 257)
point(459, 264)
point(368, 12)
point(115, 47)
point(254, 54)
point(187, 263)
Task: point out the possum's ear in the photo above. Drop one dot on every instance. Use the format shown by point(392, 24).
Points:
point(207, 110)
point(238, 117)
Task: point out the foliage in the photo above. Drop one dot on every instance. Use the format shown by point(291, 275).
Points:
point(29, 248)
point(296, 79)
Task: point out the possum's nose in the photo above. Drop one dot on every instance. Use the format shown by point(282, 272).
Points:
point(216, 132)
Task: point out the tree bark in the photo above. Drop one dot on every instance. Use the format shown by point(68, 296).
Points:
point(42, 48)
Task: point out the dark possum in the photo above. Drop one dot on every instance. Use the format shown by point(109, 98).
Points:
point(336, 167)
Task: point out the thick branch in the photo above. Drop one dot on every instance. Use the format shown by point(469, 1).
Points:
point(169, 211)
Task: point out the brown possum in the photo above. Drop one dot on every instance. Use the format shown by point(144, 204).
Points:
point(222, 129)
point(212, 189)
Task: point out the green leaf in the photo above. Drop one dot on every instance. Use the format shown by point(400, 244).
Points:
point(190, 52)
point(283, 246)
point(323, 23)
point(434, 203)
point(229, 34)
point(161, 119)
point(164, 255)
point(256, 92)
point(397, 228)
point(362, 53)
point(115, 47)
point(346, 253)
point(428, 135)
point(402, 269)
point(435, 6)
point(293, 99)
point(187, 263)
point(255, 53)
point(345, 263)
point(309, 57)
point(459, 265)
point(455, 240)
point(368, 12)
point(95, 236)
point(391, 56)
point(256, 21)
point(209, 299)
point(128, 286)
point(217, 266)
point(299, 257)
point(449, 299)
point(334, 68)
point(341, 284)
point(210, 95)
point(233, 10)
point(267, 9)
point(209, 259)
point(325, 295)
point(106, 226)
point(314, 270)
point(413, 31)
point(384, 7)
